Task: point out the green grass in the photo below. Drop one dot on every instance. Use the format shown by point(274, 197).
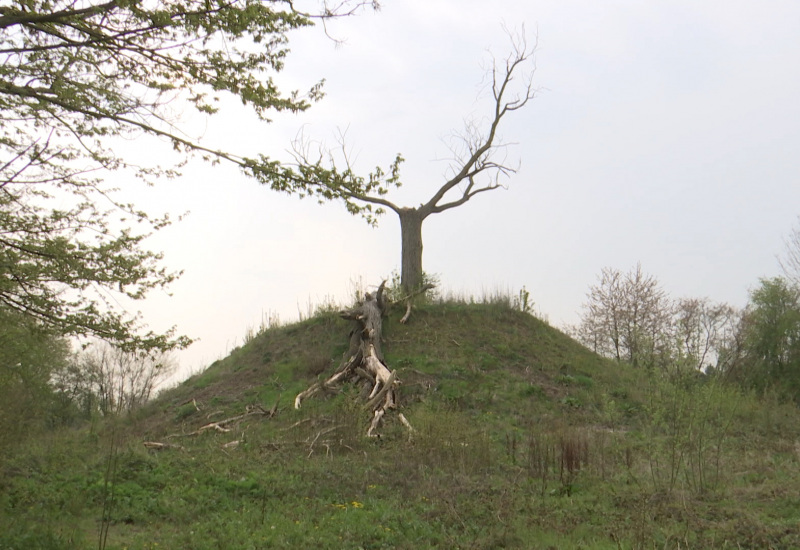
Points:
point(523, 439)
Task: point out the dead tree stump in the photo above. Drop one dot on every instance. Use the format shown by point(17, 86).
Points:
point(363, 363)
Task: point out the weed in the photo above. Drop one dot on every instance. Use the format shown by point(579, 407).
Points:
point(108, 488)
point(688, 430)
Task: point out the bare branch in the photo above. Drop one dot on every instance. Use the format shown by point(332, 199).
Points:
point(10, 17)
point(480, 148)
point(329, 174)
point(790, 261)
point(318, 168)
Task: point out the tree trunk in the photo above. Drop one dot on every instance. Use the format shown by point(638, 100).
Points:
point(364, 362)
point(411, 231)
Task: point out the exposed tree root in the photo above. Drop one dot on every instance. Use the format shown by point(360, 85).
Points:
point(364, 363)
point(409, 300)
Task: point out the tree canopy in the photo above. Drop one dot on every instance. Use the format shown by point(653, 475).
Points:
point(78, 74)
point(29, 357)
point(771, 338)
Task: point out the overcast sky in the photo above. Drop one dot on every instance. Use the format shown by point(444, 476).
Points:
point(664, 132)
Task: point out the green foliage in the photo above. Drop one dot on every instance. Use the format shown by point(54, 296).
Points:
point(42, 539)
point(394, 291)
point(77, 76)
point(690, 420)
point(523, 301)
point(319, 179)
point(185, 411)
point(29, 357)
point(771, 338)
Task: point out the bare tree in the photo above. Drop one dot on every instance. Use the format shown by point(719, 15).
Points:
point(626, 316)
point(475, 167)
point(111, 380)
point(704, 330)
point(629, 317)
point(601, 321)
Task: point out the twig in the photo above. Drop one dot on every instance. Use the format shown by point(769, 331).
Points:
point(319, 434)
point(158, 446)
point(296, 424)
point(255, 410)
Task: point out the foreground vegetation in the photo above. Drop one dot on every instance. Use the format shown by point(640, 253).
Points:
point(523, 439)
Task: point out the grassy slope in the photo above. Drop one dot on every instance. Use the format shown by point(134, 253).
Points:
point(523, 439)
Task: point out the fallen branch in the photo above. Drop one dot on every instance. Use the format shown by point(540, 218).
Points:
point(158, 446)
point(319, 434)
point(220, 425)
point(296, 424)
point(327, 385)
point(193, 402)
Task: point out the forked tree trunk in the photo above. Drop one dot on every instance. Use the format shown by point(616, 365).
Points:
point(473, 170)
point(363, 363)
point(411, 265)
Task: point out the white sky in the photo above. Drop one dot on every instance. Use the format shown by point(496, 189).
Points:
point(666, 132)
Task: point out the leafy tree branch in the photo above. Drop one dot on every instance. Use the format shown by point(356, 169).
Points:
point(78, 74)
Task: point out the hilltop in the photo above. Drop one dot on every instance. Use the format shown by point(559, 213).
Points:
point(466, 357)
point(523, 439)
